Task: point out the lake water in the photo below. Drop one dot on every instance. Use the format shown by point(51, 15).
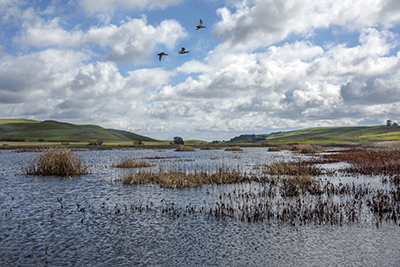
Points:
point(92, 221)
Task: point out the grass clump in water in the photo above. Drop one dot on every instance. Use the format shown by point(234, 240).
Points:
point(178, 179)
point(56, 161)
point(233, 148)
point(185, 148)
point(132, 163)
point(279, 148)
point(307, 149)
point(299, 168)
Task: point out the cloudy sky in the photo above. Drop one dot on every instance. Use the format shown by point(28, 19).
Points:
point(260, 65)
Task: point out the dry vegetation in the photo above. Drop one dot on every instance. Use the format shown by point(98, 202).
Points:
point(371, 161)
point(178, 179)
point(131, 163)
point(303, 148)
point(185, 148)
point(233, 148)
point(307, 149)
point(56, 161)
point(279, 148)
point(299, 168)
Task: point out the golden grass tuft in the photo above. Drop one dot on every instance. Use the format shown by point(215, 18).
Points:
point(178, 179)
point(307, 149)
point(131, 163)
point(233, 148)
point(185, 148)
point(56, 161)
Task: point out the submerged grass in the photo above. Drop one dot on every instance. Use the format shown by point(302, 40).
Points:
point(59, 161)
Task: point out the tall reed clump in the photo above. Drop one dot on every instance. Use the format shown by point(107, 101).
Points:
point(185, 148)
point(131, 163)
point(56, 161)
point(179, 179)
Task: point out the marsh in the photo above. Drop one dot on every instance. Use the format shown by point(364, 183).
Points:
point(94, 220)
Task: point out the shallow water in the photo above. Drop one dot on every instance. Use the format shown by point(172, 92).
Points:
point(92, 221)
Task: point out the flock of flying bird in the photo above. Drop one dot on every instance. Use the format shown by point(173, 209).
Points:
point(183, 50)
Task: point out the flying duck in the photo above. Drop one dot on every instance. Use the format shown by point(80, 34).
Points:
point(160, 55)
point(200, 26)
point(183, 51)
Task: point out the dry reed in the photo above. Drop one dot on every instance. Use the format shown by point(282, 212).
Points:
point(185, 148)
point(178, 179)
point(56, 161)
point(300, 168)
point(307, 149)
point(233, 148)
point(279, 148)
point(132, 163)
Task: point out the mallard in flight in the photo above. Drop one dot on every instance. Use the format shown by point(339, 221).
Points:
point(183, 51)
point(160, 55)
point(200, 26)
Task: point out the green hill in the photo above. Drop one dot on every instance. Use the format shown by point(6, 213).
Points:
point(323, 135)
point(31, 130)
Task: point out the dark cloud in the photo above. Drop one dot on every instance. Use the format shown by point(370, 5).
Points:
point(382, 89)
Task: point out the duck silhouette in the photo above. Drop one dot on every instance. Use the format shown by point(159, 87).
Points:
point(200, 26)
point(160, 55)
point(183, 51)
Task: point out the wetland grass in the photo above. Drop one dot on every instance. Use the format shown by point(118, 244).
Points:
point(307, 149)
point(185, 148)
point(131, 163)
point(233, 148)
point(299, 168)
point(279, 148)
point(371, 161)
point(179, 179)
point(292, 192)
point(58, 161)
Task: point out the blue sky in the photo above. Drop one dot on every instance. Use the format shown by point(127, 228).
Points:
point(260, 66)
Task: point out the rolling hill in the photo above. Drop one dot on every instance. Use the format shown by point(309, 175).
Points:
point(49, 130)
point(323, 135)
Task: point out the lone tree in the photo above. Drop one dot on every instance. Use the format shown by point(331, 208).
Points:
point(178, 140)
point(388, 122)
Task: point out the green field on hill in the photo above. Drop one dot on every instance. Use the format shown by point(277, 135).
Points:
point(326, 135)
point(20, 130)
point(23, 132)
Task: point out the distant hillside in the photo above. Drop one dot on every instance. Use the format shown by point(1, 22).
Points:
point(31, 130)
point(326, 135)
